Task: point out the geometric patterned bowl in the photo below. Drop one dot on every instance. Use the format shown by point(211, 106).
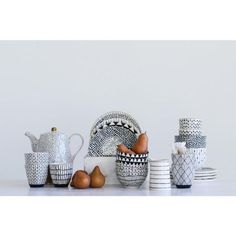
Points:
point(190, 123)
point(36, 175)
point(192, 141)
point(61, 174)
point(183, 170)
point(131, 170)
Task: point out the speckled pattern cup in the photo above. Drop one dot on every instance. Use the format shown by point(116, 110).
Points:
point(36, 167)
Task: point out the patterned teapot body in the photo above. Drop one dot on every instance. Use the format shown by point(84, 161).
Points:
point(56, 144)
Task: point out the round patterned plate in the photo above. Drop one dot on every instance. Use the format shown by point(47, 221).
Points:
point(115, 118)
point(104, 142)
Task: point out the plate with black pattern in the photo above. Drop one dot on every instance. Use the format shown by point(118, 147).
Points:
point(115, 118)
point(104, 142)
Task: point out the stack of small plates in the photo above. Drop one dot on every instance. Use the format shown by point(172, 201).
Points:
point(159, 174)
point(205, 174)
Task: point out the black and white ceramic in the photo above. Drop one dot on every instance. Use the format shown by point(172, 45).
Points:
point(111, 130)
point(115, 118)
point(206, 171)
point(129, 173)
point(192, 141)
point(104, 143)
point(37, 158)
point(205, 174)
point(159, 175)
point(190, 132)
point(61, 174)
point(190, 124)
point(55, 143)
point(183, 170)
point(132, 158)
point(36, 167)
point(200, 155)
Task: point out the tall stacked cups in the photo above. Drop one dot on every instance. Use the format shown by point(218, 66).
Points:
point(190, 131)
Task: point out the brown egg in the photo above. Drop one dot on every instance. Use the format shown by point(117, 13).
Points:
point(97, 178)
point(80, 179)
point(124, 149)
point(141, 145)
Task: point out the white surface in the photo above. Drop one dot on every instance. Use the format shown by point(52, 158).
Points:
point(213, 188)
point(70, 84)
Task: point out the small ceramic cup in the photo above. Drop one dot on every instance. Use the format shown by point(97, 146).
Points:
point(183, 170)
point(36, 167)
point(61, 174)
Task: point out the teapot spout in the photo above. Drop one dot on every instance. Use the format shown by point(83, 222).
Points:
point(33, 139)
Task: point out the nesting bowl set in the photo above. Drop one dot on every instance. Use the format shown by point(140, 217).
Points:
point(185, 164)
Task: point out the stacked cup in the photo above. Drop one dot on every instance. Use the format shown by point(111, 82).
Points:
point(159, 175)
point(36, 166)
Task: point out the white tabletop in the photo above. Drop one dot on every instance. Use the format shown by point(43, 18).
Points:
point(214, 188)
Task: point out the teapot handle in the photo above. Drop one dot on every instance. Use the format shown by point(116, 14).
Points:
point(82, 144)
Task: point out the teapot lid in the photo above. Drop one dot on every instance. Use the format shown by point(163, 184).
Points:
point(54, 129)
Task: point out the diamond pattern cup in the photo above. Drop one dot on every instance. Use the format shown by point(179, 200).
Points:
point(183, 170)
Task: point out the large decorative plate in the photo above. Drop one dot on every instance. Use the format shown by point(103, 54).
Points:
point(105, 141)
point(115, 118)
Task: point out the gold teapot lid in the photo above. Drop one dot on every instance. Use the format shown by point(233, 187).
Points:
point(54, 129)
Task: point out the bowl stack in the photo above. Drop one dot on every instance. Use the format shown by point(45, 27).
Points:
point(190, 131)
point(159, 175)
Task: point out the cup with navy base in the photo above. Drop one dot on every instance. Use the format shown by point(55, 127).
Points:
point(36, 167)
point(61, 173)
point(183, 170)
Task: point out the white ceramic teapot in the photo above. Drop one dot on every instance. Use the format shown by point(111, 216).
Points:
point(56, 144)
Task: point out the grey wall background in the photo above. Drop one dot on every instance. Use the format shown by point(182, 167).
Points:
point(68, 84)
